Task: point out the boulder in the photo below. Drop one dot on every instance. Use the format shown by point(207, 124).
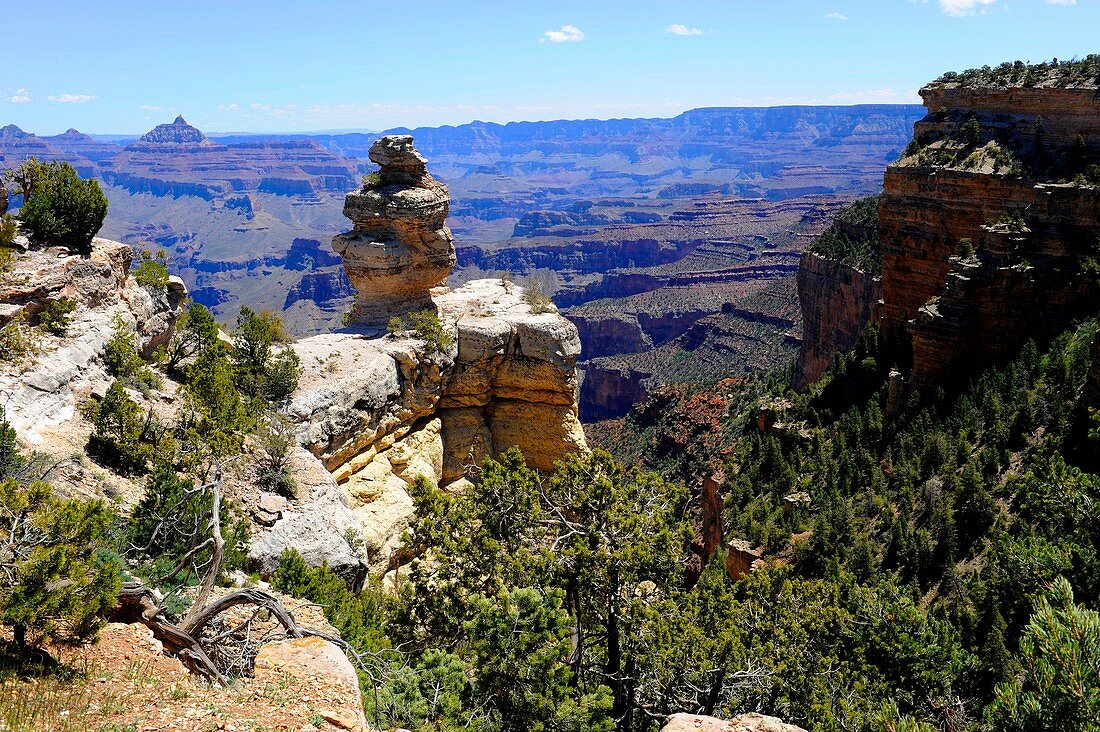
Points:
point(751, 722)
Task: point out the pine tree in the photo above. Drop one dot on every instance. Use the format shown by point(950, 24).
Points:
point(56, 578)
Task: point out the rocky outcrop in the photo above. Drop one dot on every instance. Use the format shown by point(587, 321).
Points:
point(987, 236)
point(609, 391)
point(751, 722)
point(46, 391)
point(376, 412)
point(1022, 274)
point(837, 300)
point(400, 247)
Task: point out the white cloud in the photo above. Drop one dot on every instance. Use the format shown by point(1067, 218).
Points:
point(677, 29)
point(150, 108)
point(960, 8)
point(567, 34)
point(228, 107)
point(1061, 2)
point(71, 98)
point(257, 105)
point(835, 16)
point(20, 99)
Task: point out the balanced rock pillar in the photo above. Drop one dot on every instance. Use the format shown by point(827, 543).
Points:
point(400, 247)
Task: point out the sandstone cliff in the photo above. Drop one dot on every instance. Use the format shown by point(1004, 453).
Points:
point(377, 411)
point(988, 229)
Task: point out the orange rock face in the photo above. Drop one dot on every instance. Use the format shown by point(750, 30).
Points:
point(1025, 269)
point(837, 300)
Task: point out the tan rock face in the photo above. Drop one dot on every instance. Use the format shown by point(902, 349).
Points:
point(751, 722)
point(46, 391)
point(400, 246)
point(378, 412)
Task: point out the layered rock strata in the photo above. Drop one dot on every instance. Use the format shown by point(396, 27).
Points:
point(400, 246)
point(988, 235)
point(1030, 235)
point(379, 412)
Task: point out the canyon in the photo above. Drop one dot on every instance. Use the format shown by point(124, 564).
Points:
point(377, 405)
point(682, 233)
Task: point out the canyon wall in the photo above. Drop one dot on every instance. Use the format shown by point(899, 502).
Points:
point(989, 235)
point(837, 300)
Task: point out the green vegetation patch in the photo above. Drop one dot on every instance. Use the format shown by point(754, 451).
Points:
point(1055, 74)
point(853, 237)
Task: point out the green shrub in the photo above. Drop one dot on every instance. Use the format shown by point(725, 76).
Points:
point(171, 519)
point(273, 466)
point(123, 437)
point(372, 180)
point(8, 230)
point(971, 131)
point(57, 317)
point(1059, 687)
point(63, 209)
point(58, 579)
point(853, 237)
point(427, 326)
point(965, 248)
point(17, 340)
point(123, 361)
point(152, 272)
point(262, 370)
point(536, 297)
point(195, 329)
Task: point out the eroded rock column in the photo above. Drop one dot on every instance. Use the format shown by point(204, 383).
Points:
point(400, 246)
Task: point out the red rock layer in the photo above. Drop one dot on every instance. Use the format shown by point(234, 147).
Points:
point(837, 300)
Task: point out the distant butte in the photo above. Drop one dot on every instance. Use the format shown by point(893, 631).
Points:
point(177, 134)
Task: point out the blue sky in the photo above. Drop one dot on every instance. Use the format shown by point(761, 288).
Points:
point(252, 65)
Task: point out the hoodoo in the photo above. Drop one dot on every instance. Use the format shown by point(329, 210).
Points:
point(400, 247)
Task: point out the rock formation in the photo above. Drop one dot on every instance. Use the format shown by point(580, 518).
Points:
point(751, 722)
point(177, 134)
point(379, 411)
point(987, 228)
point(46, 393)
point(400, 247)
point(837, 300)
